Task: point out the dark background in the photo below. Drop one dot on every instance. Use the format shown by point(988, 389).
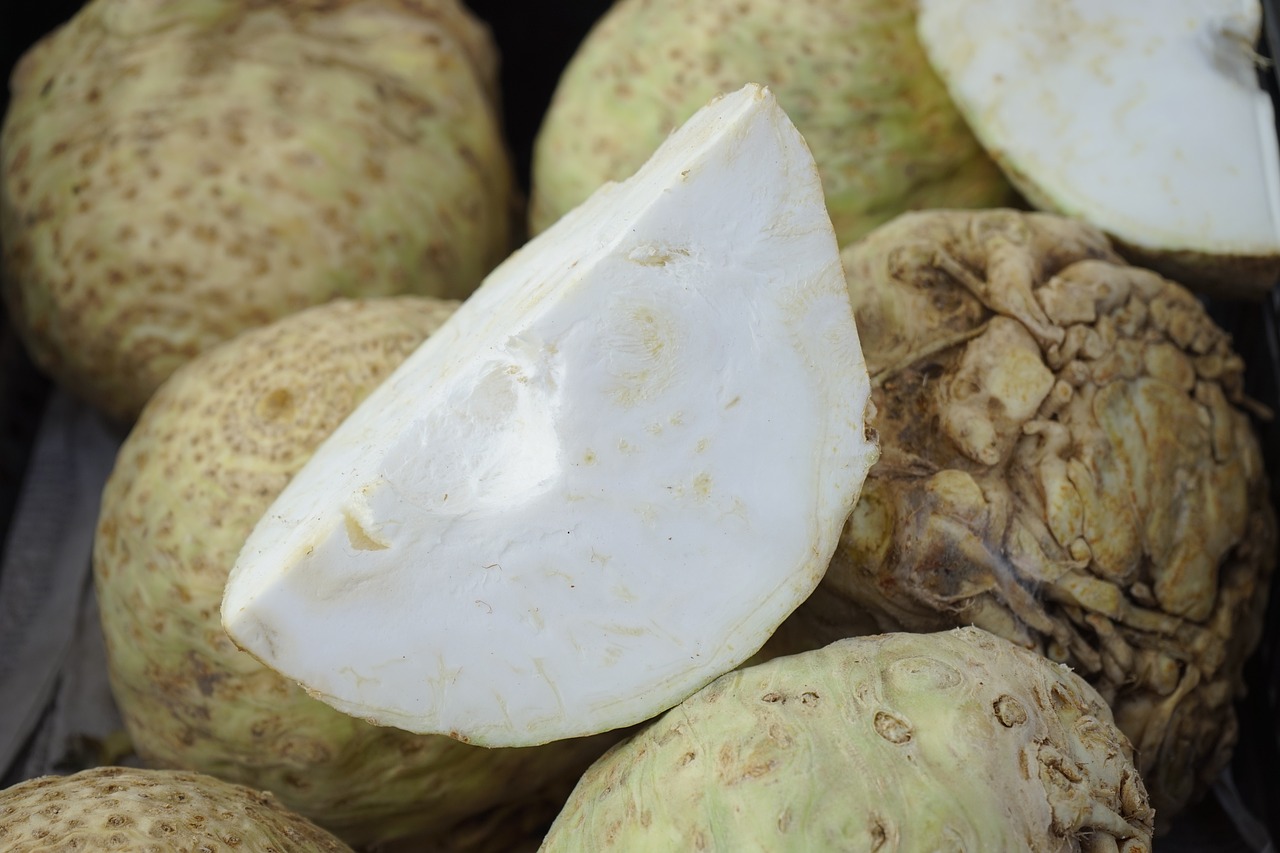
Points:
point(535, 42)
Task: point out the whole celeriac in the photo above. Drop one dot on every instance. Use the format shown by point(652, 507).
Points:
point(849, 73)
point(151, 811)
point(1067, 461)
point(578, 502)
point(174, 173)
point(211, 450)
point(907, 742)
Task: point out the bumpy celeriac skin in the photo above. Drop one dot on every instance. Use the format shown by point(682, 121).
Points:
point(851, 75)
point(1068, 462)
point(212, 449)
point(151, 811)
point(956, 741)
point(173, 173)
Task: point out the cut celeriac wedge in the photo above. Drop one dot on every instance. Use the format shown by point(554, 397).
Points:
point(604, 481)
point(1144, 118)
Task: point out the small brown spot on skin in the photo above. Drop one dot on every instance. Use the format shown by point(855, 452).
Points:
point(1009, 711)
point(878, 836)
point(892, 728)
point(277, 404)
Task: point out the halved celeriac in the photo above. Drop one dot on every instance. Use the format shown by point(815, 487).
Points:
point(604, 481)
point(1144, 118)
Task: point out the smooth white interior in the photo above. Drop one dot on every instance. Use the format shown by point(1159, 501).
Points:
point(604, 482)
point(1145, 117)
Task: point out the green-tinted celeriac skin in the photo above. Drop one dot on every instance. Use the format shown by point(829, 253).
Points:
point(956, 741)
point(850, 74)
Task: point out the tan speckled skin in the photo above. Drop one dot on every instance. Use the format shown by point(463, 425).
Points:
point(210, 452)
point(1067, 461)
point(173, 173)
point(955, 741)
point(849, 73)
point(151, 811)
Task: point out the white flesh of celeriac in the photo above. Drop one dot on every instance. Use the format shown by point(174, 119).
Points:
point(1144, 117)
point(604, 482)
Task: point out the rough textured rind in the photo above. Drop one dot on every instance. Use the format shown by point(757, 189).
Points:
point(151, 811)
point(1220, 275)
point(950, 741)
point(850, 74)
point(210, 452)
point(1068, 462)
point(171, 174)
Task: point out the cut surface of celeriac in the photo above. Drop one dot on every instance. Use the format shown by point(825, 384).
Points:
point(1144, 118)
point(604, 481)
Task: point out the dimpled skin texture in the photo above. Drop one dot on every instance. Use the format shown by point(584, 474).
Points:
point(152, 811)
point(850, 74)
point(1067, 461)
point(956, 741)
point(173, 173)
point(210, 452)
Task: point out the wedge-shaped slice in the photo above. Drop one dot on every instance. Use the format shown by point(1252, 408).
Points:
point(605, 481)
point(1145, 118)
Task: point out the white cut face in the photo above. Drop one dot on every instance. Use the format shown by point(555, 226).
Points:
point(604, 482)
point(1143, 117)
